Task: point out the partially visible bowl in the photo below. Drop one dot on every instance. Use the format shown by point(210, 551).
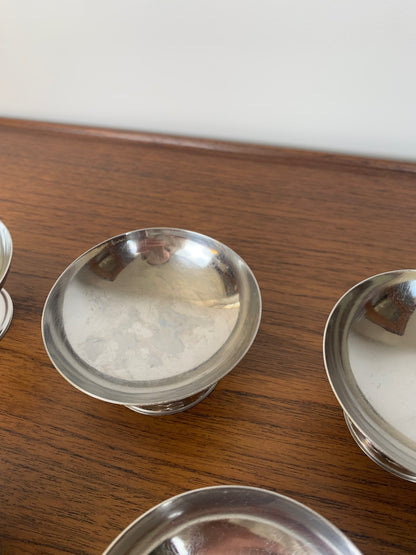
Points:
point(152, 319)
point(6, 305)
point(231, 520)
point(370, 358)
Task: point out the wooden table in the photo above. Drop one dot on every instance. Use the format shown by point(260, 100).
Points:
point(75, 471)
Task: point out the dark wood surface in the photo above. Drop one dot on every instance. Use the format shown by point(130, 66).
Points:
point(75, 471)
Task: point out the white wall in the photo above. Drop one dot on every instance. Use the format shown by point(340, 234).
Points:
point(321, 74)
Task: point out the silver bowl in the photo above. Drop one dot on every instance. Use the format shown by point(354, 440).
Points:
point(6, 305)
point(152, 319)
point(370, 359)
point(231, 520)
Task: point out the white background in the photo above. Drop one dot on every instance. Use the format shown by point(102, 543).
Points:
point(319, 74)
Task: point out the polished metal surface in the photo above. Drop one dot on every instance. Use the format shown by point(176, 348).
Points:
point(6, 311)
point(152, 319)
point(231, 520)
point(6, 305)
point(370, 358)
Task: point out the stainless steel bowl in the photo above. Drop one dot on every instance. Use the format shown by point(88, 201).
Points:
point(6, 305)
point(370, 359)
point(152, 319)
point(231, 520)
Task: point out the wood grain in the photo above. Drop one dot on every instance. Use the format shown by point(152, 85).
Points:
point(75, 471)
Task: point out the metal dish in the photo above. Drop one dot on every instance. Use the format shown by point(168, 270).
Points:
point(6, 305)
point(231, 520)
point(152, 319)
point(370, 359)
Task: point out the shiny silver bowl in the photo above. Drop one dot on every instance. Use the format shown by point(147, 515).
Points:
point(370, 359)
point(6, 305)
point(231, 520)
point(152, 319)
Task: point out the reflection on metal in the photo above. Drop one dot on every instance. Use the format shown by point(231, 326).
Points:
point(392, 310)
point(118, 254)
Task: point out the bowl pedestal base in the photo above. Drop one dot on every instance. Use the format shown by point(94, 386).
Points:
point(376, 454)
point(173, 407)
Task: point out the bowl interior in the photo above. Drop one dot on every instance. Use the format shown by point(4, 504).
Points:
point(370, 355)
point(151, 315)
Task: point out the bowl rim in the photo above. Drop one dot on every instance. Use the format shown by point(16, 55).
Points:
point(127, 394)
point(6, 239)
